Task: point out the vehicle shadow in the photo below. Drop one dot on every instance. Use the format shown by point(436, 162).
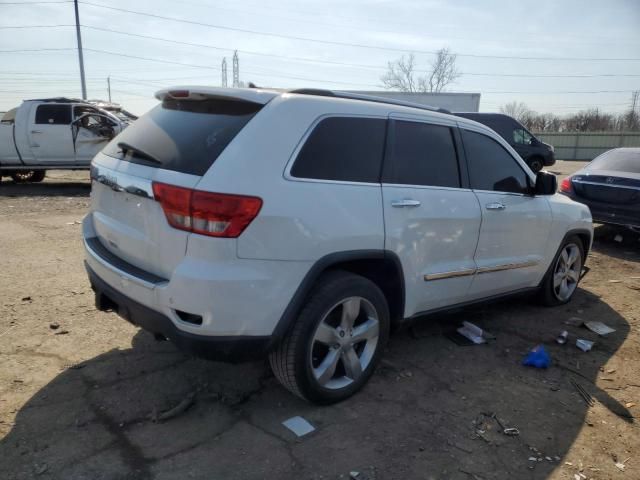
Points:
point(48, 188)
point(433, 409)
point(617, 242)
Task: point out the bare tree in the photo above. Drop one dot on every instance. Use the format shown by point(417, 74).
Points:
point(443, 71)
point(631, 118)
point(517, 110)
point(401, 74)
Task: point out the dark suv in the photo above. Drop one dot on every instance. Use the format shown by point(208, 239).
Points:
point(536, 153)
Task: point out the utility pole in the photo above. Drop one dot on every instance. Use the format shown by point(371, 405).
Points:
point(109, 87)
point(80, 58)
point(236, 69)
point(224, 71)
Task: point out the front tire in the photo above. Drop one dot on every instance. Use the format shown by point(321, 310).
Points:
point(337, 340)
point(562, 280)
point(23, 176)
point(536, 164)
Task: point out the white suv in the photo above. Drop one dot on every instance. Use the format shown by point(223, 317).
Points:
point(244, 222)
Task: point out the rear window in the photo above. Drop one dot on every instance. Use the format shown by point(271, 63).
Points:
point(343, 148)
point(182, 135)
point(619, 161)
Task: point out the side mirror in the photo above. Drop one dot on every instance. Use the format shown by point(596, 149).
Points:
point(546, 183)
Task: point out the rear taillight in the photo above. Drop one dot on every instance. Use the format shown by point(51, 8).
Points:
point(565, 185)
point(206, 213)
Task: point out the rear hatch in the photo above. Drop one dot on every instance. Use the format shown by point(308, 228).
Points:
point(611, 189)
point(175, 143)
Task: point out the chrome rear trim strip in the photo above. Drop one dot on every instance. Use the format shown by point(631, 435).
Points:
point(121, 182)
point(610, 185)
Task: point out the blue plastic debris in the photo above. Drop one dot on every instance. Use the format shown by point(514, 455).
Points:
point(538, 358)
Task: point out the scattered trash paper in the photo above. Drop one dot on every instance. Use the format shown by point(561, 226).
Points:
point(599, 328)
point(584, 345)
point(474, 333)
point(562, 338)
point(538, 358)
point(618, 238)
point(299, 426)
point(357, 476)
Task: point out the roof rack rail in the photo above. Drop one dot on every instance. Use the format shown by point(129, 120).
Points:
point(367, 98)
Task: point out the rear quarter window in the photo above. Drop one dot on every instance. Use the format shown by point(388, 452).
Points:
point(185, 136)
point(53, 114)
point(343, 149)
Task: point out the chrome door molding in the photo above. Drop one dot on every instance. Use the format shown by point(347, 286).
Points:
point(456, 273)
point(507, 266)
point(473, 271)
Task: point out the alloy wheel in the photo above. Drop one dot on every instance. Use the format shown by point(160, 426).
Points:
point(566, 273)
point(344, 343)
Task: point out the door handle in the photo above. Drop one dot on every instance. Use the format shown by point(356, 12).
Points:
point(407, 202)
point(36, 131)
point(495, 206)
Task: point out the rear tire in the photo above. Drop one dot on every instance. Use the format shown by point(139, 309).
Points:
point(562, 279)
point(38, 176)
point(337, 340)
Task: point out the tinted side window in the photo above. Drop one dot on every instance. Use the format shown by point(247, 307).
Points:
point(491, 167)
point(53, 114)
point(343, 148)
point(423, 154)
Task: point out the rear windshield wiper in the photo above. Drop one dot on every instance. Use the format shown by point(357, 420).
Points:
point(125, 147)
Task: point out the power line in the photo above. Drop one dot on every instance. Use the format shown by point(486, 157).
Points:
point(345, 64)
point(35, 3)
point(209, 67)
point(342, 44)
point(35, 50)
point(6, 27)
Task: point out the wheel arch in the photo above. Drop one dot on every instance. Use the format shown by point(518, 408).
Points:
point(382, 267)
point(585, 237)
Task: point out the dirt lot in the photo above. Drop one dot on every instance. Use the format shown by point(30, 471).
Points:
point(79, 388)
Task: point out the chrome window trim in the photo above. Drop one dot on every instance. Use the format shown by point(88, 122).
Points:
point(512, 194)
point(426, 187)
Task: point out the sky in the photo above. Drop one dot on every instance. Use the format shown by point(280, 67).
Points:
point(571, 55)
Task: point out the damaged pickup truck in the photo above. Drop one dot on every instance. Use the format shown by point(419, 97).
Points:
point(54, 133)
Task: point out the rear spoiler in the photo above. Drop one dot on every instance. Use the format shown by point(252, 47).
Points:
point(198, 92)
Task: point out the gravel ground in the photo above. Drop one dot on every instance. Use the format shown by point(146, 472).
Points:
point(80, 390)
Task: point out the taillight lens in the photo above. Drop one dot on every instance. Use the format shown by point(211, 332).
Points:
point(565, 185)
point(206, 213)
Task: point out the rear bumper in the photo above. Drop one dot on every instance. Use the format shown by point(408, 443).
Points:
point(610, 214)
point(221, 348)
